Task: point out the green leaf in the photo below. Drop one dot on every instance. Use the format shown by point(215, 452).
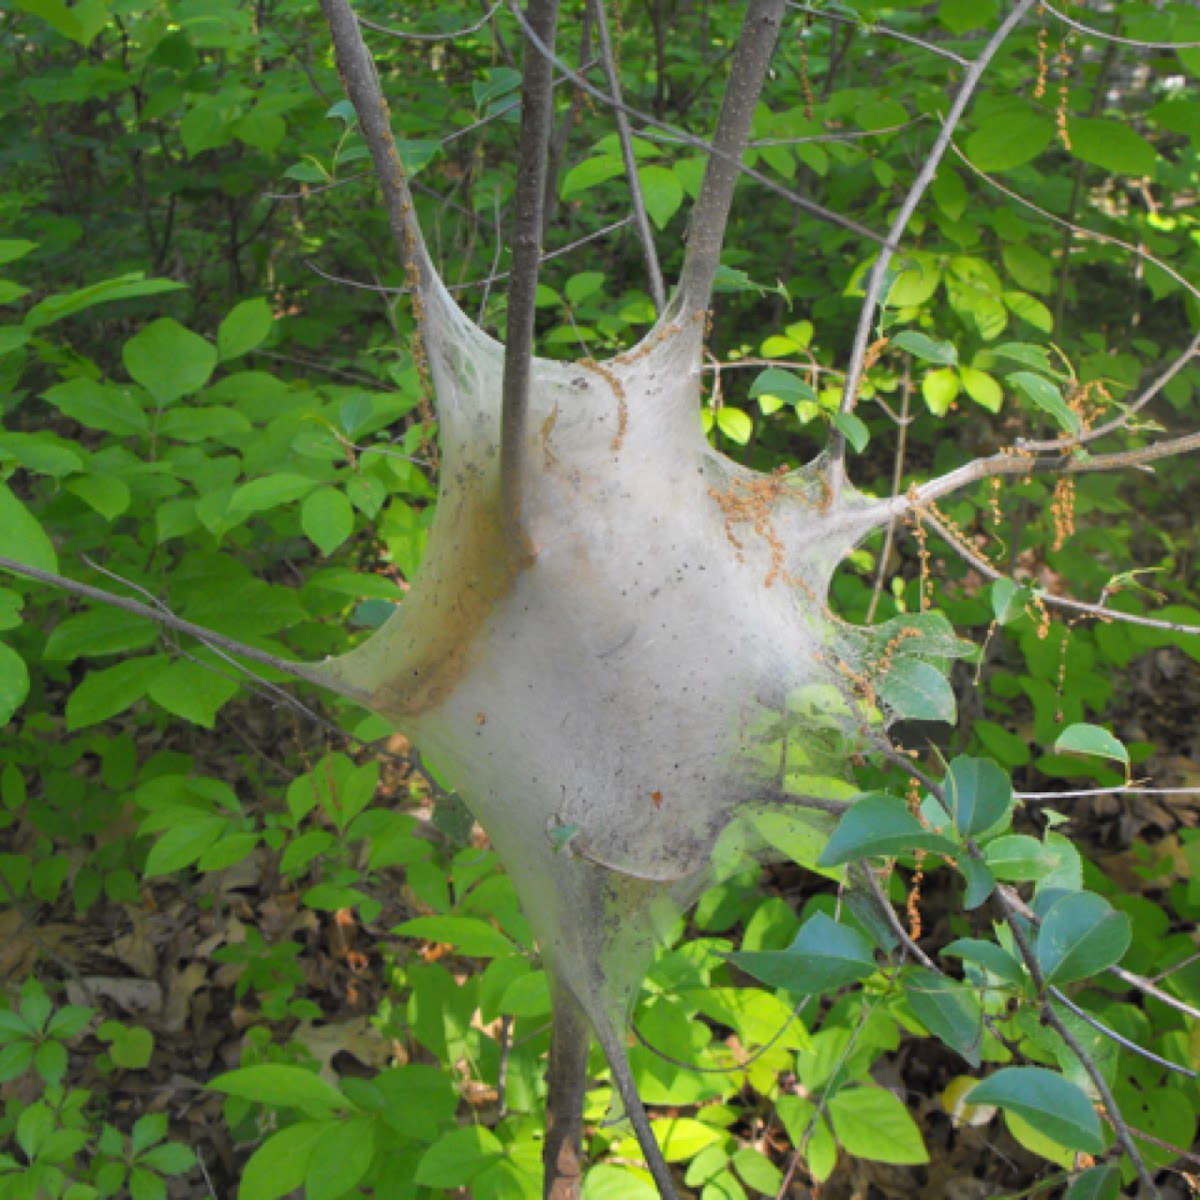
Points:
point(470, 935)
point(661, 191)
point(880, 824)
point(950, 1010)
point(107, 494)
point(961, 15)
point(131, 1048)
point(99, 406)
point(978, 794)
point(145, 1185)
point(993, 958)
point(982, 388)
point(1091, 739)
point(682, 1138)
point(104, 693)
point(455, 1159)
point(50, 1062)
point(271, 491)
point(280, 1164)
point(1030, 309)
point(1036, 357)
point(248, 325)
point(168, 360)
point(921, 346)
point(1096, 1183)
point(870, 1122)
point(1113, 145)
point(96, 633)
point(783, 385)
point(280, 1086)
point(14, 682)
point(417, 1100)
point(824, 955)
point(13, 248)
point(123, 287)
point(980, 882)
point(1008, 139)
point(734, 424)
point(852, 429)
point(913, 690)
point(1080, 935)
point(589, 173)
point(182, 844)
point(940, 388)
point(1047, 397)
point(341, 1157)
point(1019, 858)
point(21, 536)
point(171, 1158)
point(1009, 600)
point(147, 1130)
point(192, 690)
point(1047, 1101)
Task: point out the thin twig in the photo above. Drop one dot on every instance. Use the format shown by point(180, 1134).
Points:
point(625, 137)
point(432, 37)
point(1120, 1039)
point(879, 271)
point(1140, 43)
point(1079, 230)
point(874, 30)
point(1122, 421)
point(208, 636)
point(984, 567)
point(683, 138)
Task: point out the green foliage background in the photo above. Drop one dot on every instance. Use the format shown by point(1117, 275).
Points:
point(207, 399)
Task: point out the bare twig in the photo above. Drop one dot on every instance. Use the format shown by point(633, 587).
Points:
point(433, 37)
point(984, 567)
point(879, 271)
point(873, 30)
point(625, 137)
point(168, 619)
point(1095, 1022)
point(1079, 230)
point(1140, 43)
point(537, 94)
point(566, 1077)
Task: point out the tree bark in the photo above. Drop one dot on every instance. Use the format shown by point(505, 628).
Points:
point(562, 1153)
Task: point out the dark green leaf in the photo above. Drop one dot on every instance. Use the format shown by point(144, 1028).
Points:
point(993, 958)
point(880, 824)
point(917, 691)
point(1047, 1101)
point(1081, 934)
point(824, 955)
point(1091, 739)
point(950, 1010)
point(978, 792)
point(22, 536)
point(1096, 1183)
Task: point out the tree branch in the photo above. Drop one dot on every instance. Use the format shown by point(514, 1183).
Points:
point(706, 234)
point(361, 82)
point(566, 1076)
point(169, 620)
point(875, 280)
point(625, 137)
point(986, 569)
point(537, 94)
